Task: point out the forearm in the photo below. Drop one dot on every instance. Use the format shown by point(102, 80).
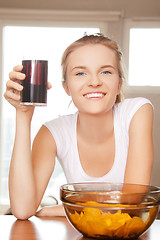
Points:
point(21, 180)
point(56, 210)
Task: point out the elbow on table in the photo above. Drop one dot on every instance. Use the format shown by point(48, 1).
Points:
point(22, 214)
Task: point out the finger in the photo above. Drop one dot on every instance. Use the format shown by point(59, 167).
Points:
point(11, 85)
point(18, 68)
point(12, 96)
point(16, 75)
point(49, 85)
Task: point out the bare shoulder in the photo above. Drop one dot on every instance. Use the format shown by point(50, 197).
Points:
point(44, 134)
point(143, 116)
point(44, 141)
point(145, 110)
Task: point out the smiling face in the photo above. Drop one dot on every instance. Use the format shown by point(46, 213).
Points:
point(92, 78)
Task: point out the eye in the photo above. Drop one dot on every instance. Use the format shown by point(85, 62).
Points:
point(106, 72)
point(80, 74)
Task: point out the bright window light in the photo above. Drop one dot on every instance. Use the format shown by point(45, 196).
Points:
point(144, 55)
point(42, 43)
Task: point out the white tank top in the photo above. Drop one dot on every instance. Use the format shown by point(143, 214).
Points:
point(64, 131)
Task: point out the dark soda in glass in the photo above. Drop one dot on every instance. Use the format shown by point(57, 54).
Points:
point(35, 84)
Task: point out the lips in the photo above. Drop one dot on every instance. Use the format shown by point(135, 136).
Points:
point(94, 95)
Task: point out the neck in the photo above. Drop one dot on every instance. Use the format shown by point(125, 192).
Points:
point(95, 128)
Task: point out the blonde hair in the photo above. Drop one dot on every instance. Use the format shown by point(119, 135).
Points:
point(94, 39)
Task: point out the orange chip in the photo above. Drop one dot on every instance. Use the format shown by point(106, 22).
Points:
point(94, 222)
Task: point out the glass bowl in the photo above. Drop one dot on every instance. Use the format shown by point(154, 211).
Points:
point(110, 211)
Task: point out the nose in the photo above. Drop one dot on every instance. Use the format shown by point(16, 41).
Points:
point(94, 81)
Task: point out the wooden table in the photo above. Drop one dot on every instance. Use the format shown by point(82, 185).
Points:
point(52, 228)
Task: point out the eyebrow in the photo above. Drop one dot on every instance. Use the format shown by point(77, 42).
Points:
point(78, 67)
point(107, 66)
point(83, 67)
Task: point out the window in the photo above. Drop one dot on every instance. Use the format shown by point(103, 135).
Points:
point(141, 53)
point(36, 42)
point(144, 52)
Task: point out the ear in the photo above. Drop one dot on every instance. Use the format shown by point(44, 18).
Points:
point(65, 86)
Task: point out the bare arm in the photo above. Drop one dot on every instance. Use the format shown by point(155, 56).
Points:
point(43, 161)
point(140, 153)
point(21, 185)
point(29, 171)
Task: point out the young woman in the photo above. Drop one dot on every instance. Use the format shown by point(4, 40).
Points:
point(107, 140)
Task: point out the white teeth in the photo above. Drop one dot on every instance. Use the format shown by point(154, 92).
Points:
point(94, 95)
